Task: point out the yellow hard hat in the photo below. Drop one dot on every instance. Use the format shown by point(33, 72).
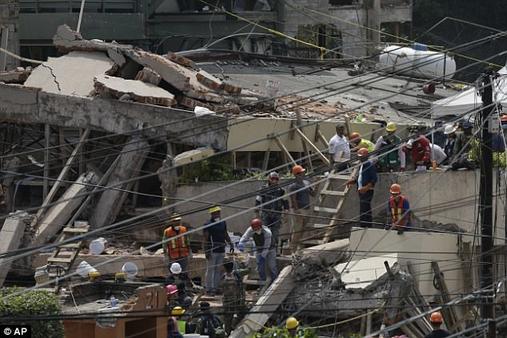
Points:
point(391, 126)
point(177, 311)
point(291, 323)
point(93, 275)
point(216, 208)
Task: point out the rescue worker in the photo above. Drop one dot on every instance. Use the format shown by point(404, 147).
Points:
point(208, 324)
point(265, 253)
point(171, 291)
point(420, 152)
point(450, 141)
point(436, 321)
point(358, 142)
point(215, 238)
point(176, 250)
point(271, 213)
point(300, 204)
point(365, 180)
point(234, 296)
point(292, 326)
point(339, 149)
point(398, 210)
point(392, 156)
point(176, 326)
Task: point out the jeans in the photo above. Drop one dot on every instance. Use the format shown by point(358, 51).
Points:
point(365, 217)
point(213, 270)
point(300, 221)
point(268, 263)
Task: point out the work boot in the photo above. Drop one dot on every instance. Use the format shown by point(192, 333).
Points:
point(400, 232)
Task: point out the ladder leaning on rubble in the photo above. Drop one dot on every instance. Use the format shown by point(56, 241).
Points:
point(61, 260)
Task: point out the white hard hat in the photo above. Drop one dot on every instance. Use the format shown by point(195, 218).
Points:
point(449, 129)
point(175, 268)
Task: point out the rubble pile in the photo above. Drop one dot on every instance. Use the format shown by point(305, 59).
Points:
point(117, 71)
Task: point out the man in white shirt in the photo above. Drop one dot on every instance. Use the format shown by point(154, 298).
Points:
point(339, 149)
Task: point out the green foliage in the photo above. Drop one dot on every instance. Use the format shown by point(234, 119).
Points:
point(215, 169)
point(283, 333)
point(35, 302)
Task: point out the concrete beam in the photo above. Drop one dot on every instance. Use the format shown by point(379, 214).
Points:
point(59, 214)
point(32, 106)
point(10, 238)
point(111, 201)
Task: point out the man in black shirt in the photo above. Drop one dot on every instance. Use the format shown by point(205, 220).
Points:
point(436, 321)
point(271, 213)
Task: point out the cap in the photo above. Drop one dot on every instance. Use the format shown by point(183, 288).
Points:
point(362, 152)
point(395, 189)
point(291, 323)
point(449, 129)
point(177, 311)
point(171, 289)
point(391, 126)
point(355, 136)
point(273, 175)
point(256, 223)
point(436, 317)
point(297, 169)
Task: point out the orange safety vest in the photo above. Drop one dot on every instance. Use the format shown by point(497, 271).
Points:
point(177, 248)
point(397, 212)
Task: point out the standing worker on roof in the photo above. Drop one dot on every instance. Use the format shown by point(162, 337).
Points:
point(300, 204)
point(215, 237)
point(339, 149)
point(392, 157)
point(366, 180)
point(271, 212)
point(436, 321)
point(176, 250)
point(398, 210)
point(265, 253)
point(358, 142)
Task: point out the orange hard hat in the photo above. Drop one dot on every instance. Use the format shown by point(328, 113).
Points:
point(297, 169)
point(355, 136)
point(436, 317)
point(395, 189)
point(362, 152)
point(256, 223)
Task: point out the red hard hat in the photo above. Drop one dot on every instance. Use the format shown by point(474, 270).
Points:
point(256, 223)
point(355, 136)
point(395, 189)
point(362, 152)
point(297, 169)
point(436, 317)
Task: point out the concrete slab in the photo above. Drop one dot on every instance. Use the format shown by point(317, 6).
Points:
point(362, 273)
point(58, 215)
point(139, 91)
point(71, 74)
point(10, 238)
point(419, 248)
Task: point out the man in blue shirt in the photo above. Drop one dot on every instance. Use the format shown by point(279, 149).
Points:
point(365, 180)
point(215, 237)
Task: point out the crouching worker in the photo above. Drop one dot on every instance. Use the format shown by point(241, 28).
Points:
point(265, 252)
point(398, 210)
point(176, 325)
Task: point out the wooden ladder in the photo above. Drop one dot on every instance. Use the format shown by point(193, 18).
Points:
point(60, 262)
point(329, 204)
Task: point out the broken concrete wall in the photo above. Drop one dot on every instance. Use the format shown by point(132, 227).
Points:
point(30, 105)
point(443, 197)
point(111, 200)
point(11, 235)
point(56, 217)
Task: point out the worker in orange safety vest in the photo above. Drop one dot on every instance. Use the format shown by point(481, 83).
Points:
point(398, 210)
point(176, 250)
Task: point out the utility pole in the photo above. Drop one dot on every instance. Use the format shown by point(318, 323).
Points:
point(486, 206)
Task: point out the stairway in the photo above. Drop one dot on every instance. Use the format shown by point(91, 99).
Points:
point(327, 209)
point(60, 262)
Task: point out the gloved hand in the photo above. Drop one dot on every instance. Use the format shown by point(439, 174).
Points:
point(231, 250)
point(241, 247)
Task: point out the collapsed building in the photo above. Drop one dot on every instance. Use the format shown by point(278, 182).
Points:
point(114, 113)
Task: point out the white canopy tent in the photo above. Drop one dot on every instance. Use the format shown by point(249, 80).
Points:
point(470, 99)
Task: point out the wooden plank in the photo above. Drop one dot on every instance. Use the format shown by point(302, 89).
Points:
point(448, 311)
point(332, 192)
point(75, 230)
point(59, 260)
point(326, 210)
point(313, 146)
point(284, 149)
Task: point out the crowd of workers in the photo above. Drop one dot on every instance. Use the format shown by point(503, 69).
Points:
point(453, 146)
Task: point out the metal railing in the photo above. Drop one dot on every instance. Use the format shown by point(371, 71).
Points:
point(72, 6)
